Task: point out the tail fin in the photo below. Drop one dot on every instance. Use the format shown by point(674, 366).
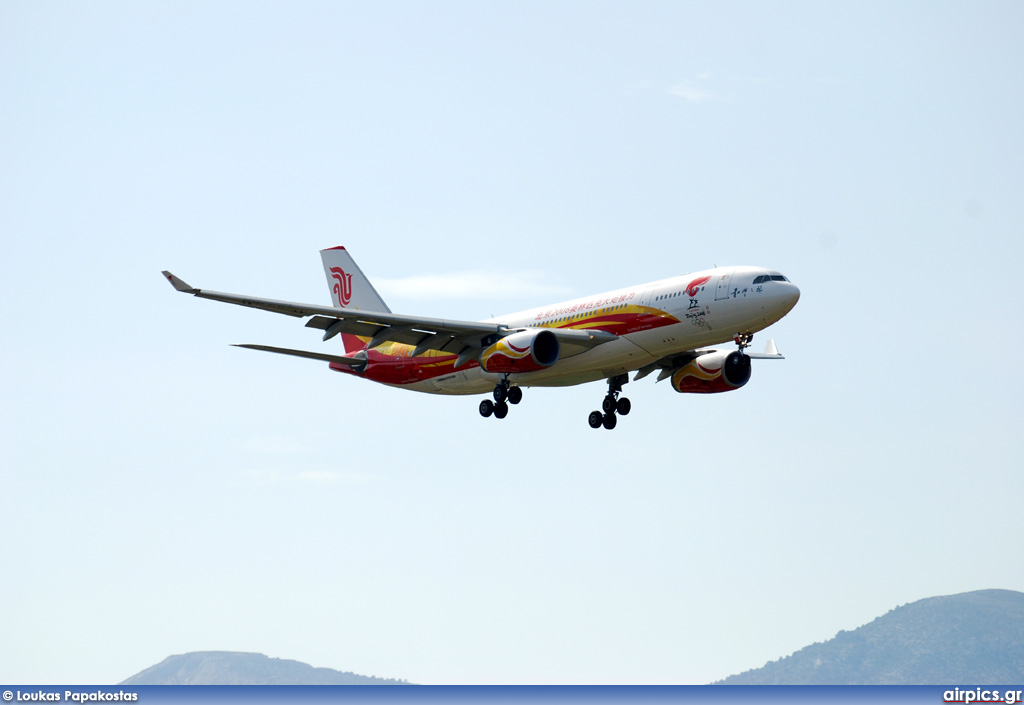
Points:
point(350, 289)
point(349, 286)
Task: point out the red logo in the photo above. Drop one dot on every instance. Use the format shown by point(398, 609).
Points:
point(691, 289)
point(342, 286)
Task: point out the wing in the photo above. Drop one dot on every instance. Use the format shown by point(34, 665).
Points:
point(456, 337)
point(671, 363)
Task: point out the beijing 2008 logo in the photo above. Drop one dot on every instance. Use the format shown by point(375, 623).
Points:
point(342, 286)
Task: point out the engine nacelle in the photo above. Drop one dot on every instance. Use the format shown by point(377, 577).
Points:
point(525, 351)
point(720, 371)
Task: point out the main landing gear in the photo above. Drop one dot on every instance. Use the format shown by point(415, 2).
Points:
point(504, 394)
point(613, 404)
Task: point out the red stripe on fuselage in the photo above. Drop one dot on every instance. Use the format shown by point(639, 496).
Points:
point(400, 368)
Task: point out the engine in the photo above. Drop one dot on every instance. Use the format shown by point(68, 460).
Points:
point(720, 371)
point(525, 351)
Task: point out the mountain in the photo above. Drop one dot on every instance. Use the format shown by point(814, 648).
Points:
point(236, 668)
point(974, 637)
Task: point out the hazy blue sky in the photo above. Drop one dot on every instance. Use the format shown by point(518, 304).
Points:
point(162, 492)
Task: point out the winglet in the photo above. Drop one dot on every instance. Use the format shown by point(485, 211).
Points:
point(178, 283)
point(770, 353)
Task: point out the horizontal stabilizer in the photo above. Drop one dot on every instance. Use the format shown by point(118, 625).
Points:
point(304, 353)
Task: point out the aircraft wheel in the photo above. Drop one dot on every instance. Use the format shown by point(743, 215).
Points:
point(609, 421)
point(515, 395)
point(623, 406)
point(595, 419)
point(608, 404)
point(500, 393)
point(500, 410)
point(486, 408)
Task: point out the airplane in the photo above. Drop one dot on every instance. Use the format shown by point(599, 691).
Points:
point(662, 326)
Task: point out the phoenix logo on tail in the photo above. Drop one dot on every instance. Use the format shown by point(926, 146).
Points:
point(343, 286)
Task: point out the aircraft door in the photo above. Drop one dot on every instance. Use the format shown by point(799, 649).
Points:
point(722, 289)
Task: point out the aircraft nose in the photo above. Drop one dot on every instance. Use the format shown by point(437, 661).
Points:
point(784, 295)
point(789, 296)
point(793, 295)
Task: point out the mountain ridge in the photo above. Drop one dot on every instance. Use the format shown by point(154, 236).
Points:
point(967, 638)
point(245, 668)
point(972, 637)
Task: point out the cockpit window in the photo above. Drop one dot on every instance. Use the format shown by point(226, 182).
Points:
point(769, 278)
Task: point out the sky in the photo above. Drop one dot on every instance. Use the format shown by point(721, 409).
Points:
point(162, 492)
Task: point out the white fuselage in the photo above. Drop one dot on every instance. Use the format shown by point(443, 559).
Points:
point(676, 315)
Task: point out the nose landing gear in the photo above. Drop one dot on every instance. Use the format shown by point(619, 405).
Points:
point(613, 404)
